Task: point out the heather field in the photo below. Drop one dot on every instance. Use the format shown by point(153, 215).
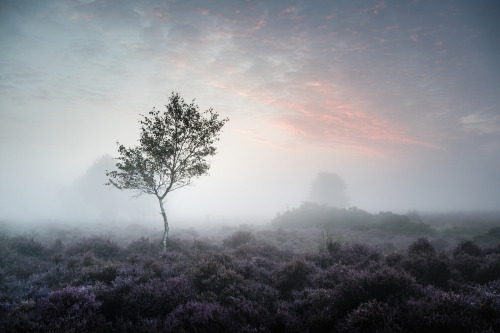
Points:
point(353, 272)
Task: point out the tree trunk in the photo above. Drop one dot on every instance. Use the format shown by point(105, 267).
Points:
point(165, 223)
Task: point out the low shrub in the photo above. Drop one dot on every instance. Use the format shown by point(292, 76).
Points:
point(468, 248)
point(238, 238)
point(385, 285)
point(440, 311)
point(292, 276)
point(69, 310)
point(157, 298)
point(201, 317)
point(421, 247)
point(371, 316)
point(102, 248)
point(28, 247)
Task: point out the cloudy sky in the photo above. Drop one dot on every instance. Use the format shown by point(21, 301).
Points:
point(400, 98)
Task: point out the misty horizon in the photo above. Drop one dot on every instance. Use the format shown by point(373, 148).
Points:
point(399, 100)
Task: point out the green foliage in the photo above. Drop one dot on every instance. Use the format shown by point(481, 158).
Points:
point(172, 151)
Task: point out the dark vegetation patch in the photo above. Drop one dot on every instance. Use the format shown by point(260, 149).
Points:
point(249, 281)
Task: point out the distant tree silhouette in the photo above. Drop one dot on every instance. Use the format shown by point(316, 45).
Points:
point(172, 151)
point(329, 189)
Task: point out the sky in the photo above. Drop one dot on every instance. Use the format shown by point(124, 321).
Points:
point(399, 98)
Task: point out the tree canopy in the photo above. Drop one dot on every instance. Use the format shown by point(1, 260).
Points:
point(173, 148)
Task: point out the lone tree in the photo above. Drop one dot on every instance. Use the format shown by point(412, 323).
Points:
point(329, 189)
point(172, 151)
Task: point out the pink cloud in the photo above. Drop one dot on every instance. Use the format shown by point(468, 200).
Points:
point(414, 37)
point(256, 137)
point(260, 24)
point(288, 10)
point(318, 118)
point(379, 6)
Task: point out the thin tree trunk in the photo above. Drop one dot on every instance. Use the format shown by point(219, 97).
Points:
point(165, 223)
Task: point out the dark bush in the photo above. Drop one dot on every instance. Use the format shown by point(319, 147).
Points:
point(101, 247)
point(331, 277)
point(18, 317)
point(489, 270)
point(315, 309)
point(102, 272)
point(440, 311)
point(466, 266)
point(143, 247)
point(468, 248)
point(292, 276)
point(385, 285)
point(214, 277)
point(425, 265)
point(333, 247)
point(238, 238)
point(429, 270)
point(359, 255)
point(155, 267)
point(394, 259)
point(156, 298)
point(28, 247)
point(22, 267)
point(421, 247)
point(69, 310)
point(371, 316)
point(199, 318)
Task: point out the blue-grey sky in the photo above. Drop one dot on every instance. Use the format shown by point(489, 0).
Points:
point(400, 98)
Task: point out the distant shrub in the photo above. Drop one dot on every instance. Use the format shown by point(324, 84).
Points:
point(23, 266)
point(359, 255)
point(103, 272)
point(258, 268)
point(491, 238)
point(238, 238)
point(28, 247)
point(421, 247)
point(333, 247)
point(401, 224)
point(143, 247)
point(331, 277)
point(55, 277)
point(310, 214)
point(468, 248)
point(100, 247)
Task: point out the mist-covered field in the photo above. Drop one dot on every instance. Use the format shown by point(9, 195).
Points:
point(249, 166)
point(313, 268)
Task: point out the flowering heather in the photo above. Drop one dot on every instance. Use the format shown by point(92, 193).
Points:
point(247, 282)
